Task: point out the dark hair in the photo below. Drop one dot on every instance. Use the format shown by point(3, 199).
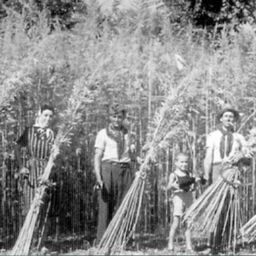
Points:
point(46, 107)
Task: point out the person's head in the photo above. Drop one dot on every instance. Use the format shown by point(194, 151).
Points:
point(45, 116)
point(182, 161)
point(228, 117)
point(117, 114)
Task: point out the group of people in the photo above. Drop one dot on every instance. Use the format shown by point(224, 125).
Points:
point(222, 146)
point(113, 164)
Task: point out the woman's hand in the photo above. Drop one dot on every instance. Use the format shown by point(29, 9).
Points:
point(24, 172)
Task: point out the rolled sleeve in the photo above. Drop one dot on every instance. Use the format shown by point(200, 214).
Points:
point(100, 140)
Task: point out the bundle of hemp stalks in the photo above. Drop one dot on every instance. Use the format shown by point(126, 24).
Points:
point(248, 231)
point(168, 123)
point(219, 202)
point(24, 240)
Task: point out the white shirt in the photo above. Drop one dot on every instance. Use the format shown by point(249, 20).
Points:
point(109, 147)
point(213, 144)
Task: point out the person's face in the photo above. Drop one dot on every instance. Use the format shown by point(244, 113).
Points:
point(45, 118)
point(116, 120)
point(182, 163)
point(228, 119)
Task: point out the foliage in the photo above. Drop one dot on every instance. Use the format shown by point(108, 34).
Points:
point(136, 58)
point(208, 13)
point(57, 11)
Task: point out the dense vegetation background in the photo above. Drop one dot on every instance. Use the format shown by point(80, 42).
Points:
point(136, 52)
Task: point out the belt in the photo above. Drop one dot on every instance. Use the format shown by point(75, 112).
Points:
point(123, 165)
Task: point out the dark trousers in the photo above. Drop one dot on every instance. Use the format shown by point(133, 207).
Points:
point(117, 179)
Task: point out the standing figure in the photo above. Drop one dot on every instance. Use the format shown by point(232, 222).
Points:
point(222, 146)
point(112, 165)
point(36, 142)
point(181, 182)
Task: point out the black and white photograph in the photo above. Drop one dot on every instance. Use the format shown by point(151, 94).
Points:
point(127, 127)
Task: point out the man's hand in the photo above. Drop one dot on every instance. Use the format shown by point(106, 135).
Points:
point(206, 180)
point(201, 180)
point(98, 185)
point(236, 157)
point(97, 166)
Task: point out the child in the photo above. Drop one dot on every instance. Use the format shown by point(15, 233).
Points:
point(180, 182)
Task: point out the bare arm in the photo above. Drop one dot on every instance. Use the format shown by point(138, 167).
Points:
point(172, 184)
point(208, 161)
point(97, 165)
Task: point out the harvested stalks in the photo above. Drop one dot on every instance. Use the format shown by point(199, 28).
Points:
point(248, 231)
point(220, 202)
point(24, 240)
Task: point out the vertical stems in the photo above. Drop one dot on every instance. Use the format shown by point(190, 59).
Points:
point(150, 79)
point(253, 186)
point(253, 177)
point(194, 145)
point(167, 179)
point(207, 118)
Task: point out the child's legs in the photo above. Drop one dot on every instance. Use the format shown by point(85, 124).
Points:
point(174, 227)
point(188, 200)
point(177, 213)
point(188, 238)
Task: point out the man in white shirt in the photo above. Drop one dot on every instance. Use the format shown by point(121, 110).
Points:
point(112, 165)
point(222, 144)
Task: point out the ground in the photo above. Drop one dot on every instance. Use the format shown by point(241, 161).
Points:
point(146, 244)
point(151, 244)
